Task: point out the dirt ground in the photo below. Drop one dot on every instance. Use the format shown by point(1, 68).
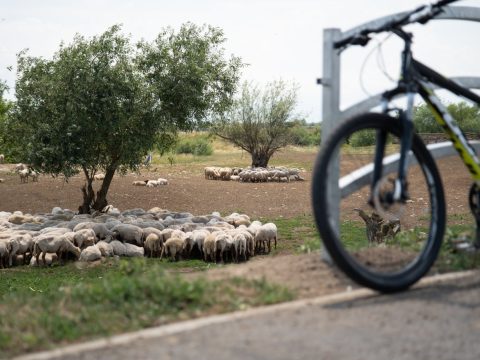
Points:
point(189, 191)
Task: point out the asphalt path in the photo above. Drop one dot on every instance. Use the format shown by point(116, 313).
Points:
point(438, 320)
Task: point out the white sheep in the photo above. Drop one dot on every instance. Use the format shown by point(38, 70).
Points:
point(34, 175)
point(20, 244)
point(118, 247)
point(264, 235)
point(23, 175)
point(2, 158)
point(128, 233)
point(5, 248)
point(106, 249)
point(162, 181)
point(198, 237)
point(223, 244)
point(173, 247)
point(58, 244)
point(209, 247)
point(152, 183)
point(240, 246)
point(90, 253)
point(153, 245)
point(99, 176)
point(139, 183)
point(84, 238)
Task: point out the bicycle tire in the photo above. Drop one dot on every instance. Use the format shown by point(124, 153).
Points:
point(347, 259)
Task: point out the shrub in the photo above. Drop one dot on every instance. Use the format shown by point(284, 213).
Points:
point(195, 146)
point(305, 135)
point(362, 138)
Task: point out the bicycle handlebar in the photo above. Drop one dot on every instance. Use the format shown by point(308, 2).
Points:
point(421, 15)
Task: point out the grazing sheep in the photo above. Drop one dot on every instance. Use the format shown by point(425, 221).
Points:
point(23, 175)
point(173, 247)
point(101, 230)
point(90, 253)
point(84, 238)
point(106, 249)
point(5, 248)
point(58, 244)
point(20, 166)
point(153, 245)
point(49, 259)
point(209, 247)
point(133, 250)
point(118, 247)
point(225, 173)
point(34, 175)
point(169, 232)
point(2, 158)
point(188, 243)
point(240, 246)
point(128, 233)
point(20, 244)
point(264, 235)
point(281, 174)
point(223, 243)
point(198, 237)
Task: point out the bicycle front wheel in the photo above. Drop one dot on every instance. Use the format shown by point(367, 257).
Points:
point(386, 248)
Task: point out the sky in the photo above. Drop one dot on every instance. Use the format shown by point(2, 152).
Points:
point(278, 39)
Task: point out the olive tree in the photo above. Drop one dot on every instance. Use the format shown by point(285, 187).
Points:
point(101, 103)
point(260, 120)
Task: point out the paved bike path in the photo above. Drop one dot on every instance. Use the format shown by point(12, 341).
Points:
point(438, 320)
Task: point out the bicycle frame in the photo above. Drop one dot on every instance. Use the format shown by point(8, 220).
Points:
point(418, 78)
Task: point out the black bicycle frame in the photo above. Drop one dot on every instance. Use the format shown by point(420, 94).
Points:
point(416, 78)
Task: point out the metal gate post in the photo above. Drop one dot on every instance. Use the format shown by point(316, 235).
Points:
point(330, 105)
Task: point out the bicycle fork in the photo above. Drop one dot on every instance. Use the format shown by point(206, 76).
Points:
point(400, 189)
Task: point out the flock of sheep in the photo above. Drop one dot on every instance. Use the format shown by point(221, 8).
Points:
point(62, 235)
point(257, 174)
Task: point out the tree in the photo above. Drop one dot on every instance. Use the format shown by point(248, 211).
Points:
point(101, 104)
point(260, 120)
point(467, 117)
point(5, 107)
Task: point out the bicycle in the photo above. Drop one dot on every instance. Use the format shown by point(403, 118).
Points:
point(383, 221)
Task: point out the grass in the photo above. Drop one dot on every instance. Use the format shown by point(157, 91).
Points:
point(45, 307)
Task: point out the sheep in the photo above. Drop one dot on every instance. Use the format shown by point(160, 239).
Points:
point(84, 238)
point(133, 250)
point(169, 232)
point(240, 246)
point(128, 233)
point(211, 173)
point(264, 235)
point(153, 245)
point(49, 259)
point(152, 183)
point(2, 158)
point(18, 218)
point(20, 244)
point(58, 244)
point(225, 173)
point(140, 183)
point(34, 175)
point(253, 227)
point(20, 166)
point(162, 181)
point(99, 176)
point(101, 230)
point(188, 244)
point(23, 175)
point(173, 247)
point(198, 237)
point(281, 174)
point(5, 248)
point(106, 249)
point(209, 247)
point(90, 253)
point(223, 243)
point(118, 247)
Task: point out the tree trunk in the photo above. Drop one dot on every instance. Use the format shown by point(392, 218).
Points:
point(260, 159)
point(88, 197)
point(101, 200)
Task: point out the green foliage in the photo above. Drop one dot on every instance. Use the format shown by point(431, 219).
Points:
point(467, 117)
point(362, 138)
point(6, 146)
point(195, 145)
point(305, 135)
point(63, 304)
point(259, 121)
point(102, 103)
